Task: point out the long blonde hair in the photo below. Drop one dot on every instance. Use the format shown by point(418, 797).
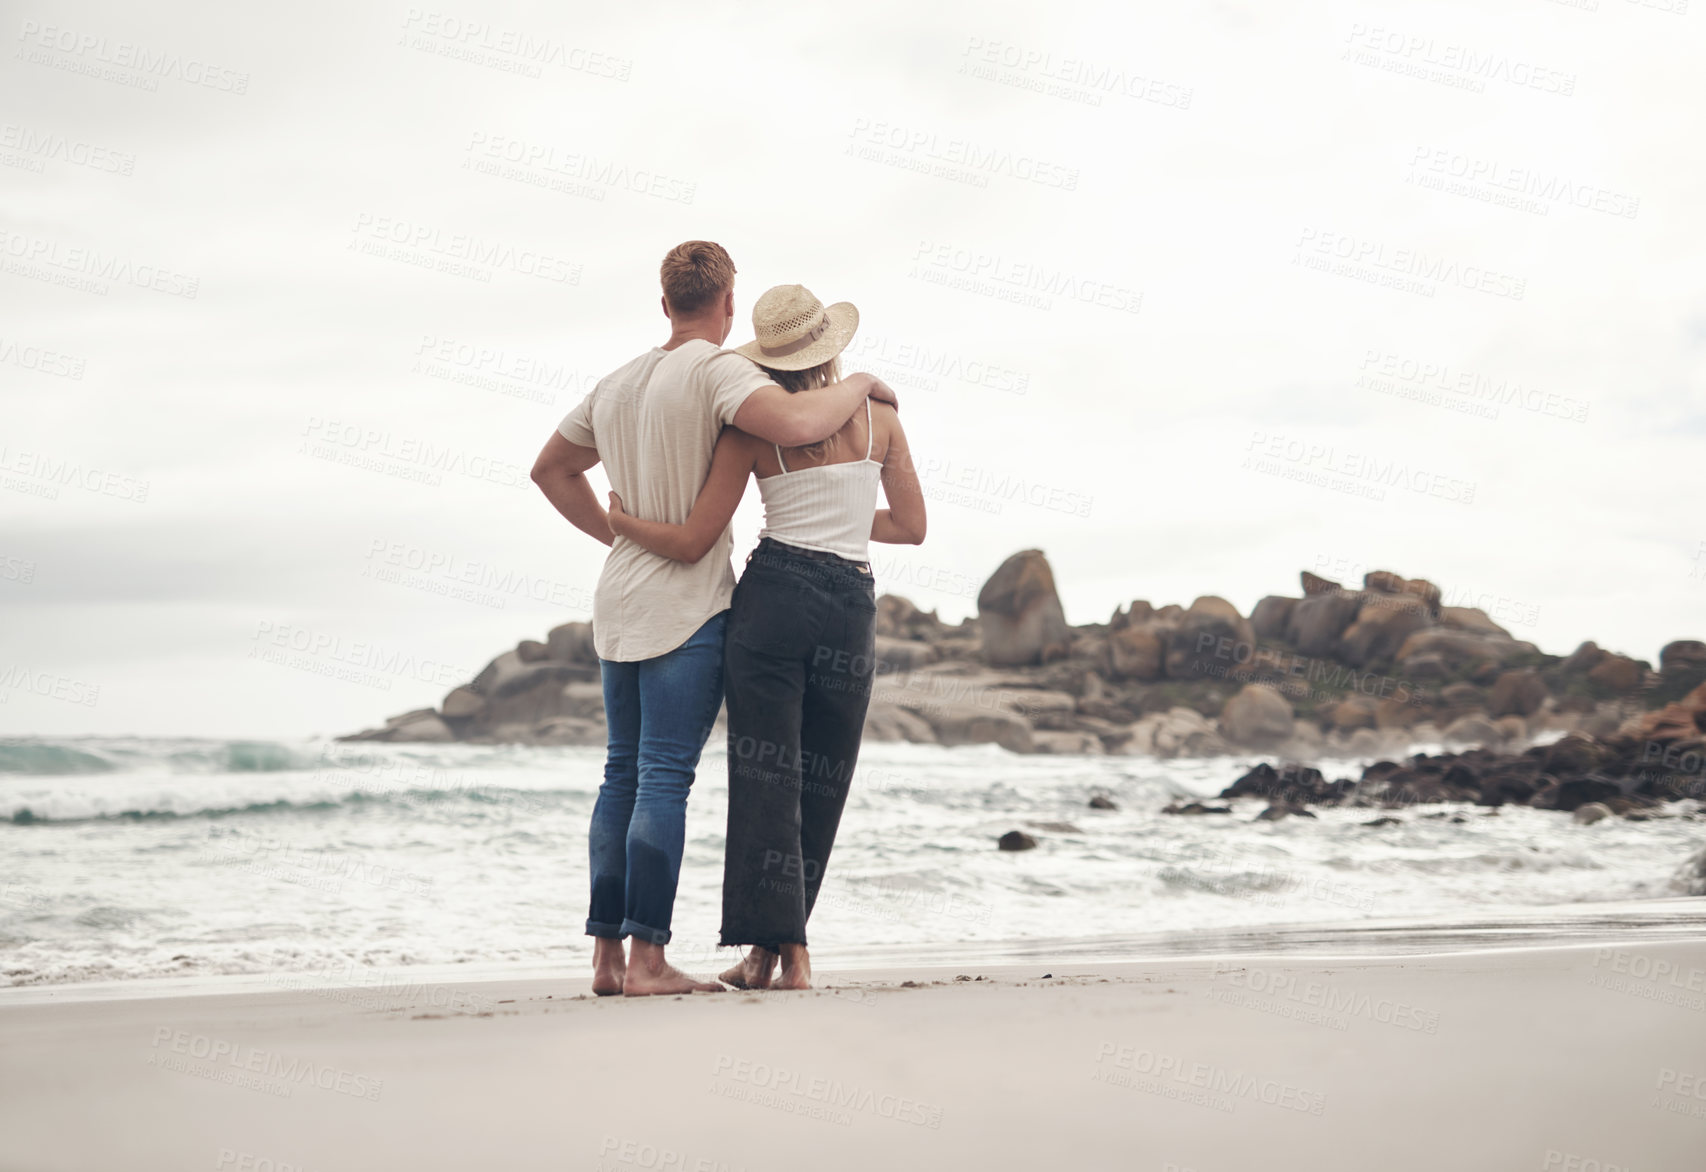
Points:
point(809, 379)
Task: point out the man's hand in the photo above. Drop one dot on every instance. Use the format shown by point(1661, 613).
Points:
point(618, 516)
point(883, 393)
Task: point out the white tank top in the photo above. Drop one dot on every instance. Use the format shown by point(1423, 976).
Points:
point(829, 507)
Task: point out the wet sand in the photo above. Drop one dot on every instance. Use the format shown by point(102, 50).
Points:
point(1581, 1057)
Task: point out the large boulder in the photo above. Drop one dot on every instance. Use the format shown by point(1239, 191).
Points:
point(1139, 613)
point(890, 722)
point(971, 724)
point(1272, 616)
point(1258, 717)
point(1463, 650)
point(1138, 653)
point(1472, 619)
point(1683, 655)
point(571, 643)
point(530, 695)
point(1517, 693)
point(1314, 584)
point(1352, 713)
point(958, 710)
point(1386, 582)
point(1317, 622)
point(583, 699)
point(1681, 720)
point(1210, 640)
point(1185, 732)
point(1618, 672)
point(902, 654)
point(1584, 658)
point(1020, 614)
point(898, 618)
point(1381, 627)
point(461, 703)
point(497, 673)
point(1473, 729)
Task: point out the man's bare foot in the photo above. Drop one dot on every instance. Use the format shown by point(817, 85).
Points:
point(609, 966)
point(754, 971)
point(796, 967)
point(649, 973)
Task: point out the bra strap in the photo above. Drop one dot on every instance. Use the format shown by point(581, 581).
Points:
point(870, 433)
point(779, 458)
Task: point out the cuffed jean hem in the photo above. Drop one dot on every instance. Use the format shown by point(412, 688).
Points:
point(607, 931)
point(639, 931)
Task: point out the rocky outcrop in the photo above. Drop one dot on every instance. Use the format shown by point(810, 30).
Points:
point(1657, 758)
point(1338, 672)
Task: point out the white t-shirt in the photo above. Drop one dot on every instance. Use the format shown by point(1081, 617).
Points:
point(655, 422)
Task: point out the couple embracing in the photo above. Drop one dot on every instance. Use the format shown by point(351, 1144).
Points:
point(680, 429)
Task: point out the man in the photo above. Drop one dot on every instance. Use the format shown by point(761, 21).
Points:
point(658, 624)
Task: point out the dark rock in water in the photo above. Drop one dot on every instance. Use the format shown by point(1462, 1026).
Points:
point(1283, 809)
point(1575, 754)
point(1571, 794)
point(1195, 808)
point(1102, 802)
point(1016, 840)
point(1294, 783)
point(1385, 822)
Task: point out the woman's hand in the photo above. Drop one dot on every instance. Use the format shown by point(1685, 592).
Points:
point(618, 516)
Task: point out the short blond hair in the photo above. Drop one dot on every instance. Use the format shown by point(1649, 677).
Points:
point(695, 273)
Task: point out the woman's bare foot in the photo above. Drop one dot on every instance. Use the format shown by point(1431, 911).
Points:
point(649, 973)
point(609, 966)
point(796, 967)
point(754, 970)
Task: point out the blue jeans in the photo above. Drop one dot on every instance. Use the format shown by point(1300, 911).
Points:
point(660, 712)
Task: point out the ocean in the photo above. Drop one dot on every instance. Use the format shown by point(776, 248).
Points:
point(129, 858)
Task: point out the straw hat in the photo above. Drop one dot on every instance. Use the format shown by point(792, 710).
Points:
point(795, 331)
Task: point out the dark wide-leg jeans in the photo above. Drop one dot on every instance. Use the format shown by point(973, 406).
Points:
point(798, 666)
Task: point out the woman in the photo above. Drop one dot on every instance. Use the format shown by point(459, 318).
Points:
point(800, 652)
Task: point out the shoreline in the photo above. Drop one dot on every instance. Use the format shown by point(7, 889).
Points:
point(1655, 921)
point(1494, 1057)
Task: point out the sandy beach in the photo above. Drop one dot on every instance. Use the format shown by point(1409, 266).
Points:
point(1582, 1056)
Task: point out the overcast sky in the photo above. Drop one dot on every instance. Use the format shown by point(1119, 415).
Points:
point(1192, 297)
